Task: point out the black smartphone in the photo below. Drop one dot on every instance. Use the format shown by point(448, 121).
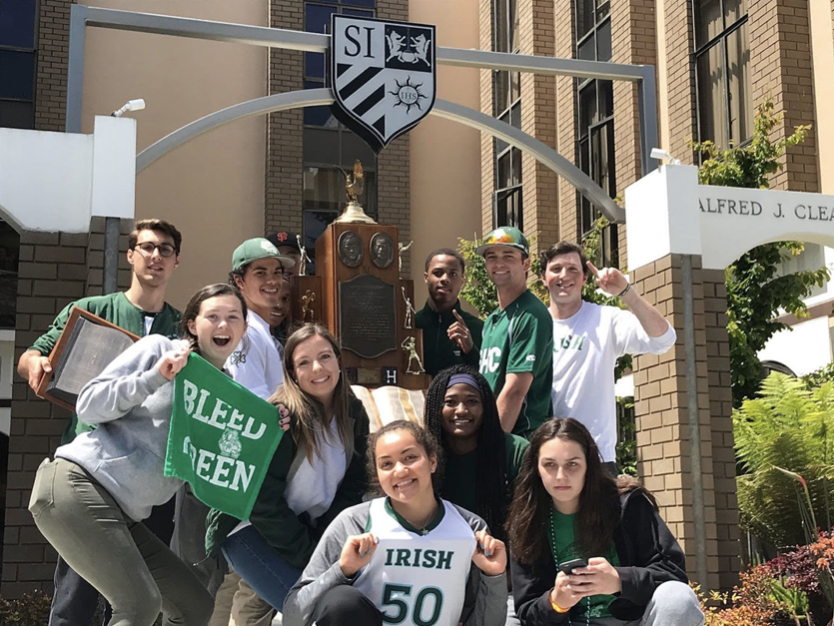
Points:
point(568, 566)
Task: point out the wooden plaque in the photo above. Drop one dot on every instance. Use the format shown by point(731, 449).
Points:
point(87, 345)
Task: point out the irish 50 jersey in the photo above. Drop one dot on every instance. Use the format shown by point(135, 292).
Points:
point(418, 578)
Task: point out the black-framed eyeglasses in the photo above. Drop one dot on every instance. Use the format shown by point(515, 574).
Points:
point(166, 250)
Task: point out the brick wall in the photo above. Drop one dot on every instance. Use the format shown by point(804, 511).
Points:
point(721, 426)
point(487, 102)
point(633, 41)
point(781, 66)
point(663, 435)
point(284, 144)
point(394, 162)
point(680, 79)
point(55, 269)
point(566, 119)
point(538, 118)
point(53, 52)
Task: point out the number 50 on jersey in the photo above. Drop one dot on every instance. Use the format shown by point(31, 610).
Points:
point(383, 76)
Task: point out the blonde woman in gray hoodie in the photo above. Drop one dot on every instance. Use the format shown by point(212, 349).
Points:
point(89, 502)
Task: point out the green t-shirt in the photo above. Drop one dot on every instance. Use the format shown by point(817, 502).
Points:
point(118, 310)
point(566, 550)
point(516, 340)
point(460, 476)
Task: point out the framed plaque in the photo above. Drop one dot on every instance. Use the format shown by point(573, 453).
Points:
point(87, 345)
point(368, 314)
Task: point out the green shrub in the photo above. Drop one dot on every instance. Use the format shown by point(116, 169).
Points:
point(30, 610)
point(788, 427)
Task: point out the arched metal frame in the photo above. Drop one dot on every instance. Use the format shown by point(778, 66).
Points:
point(83, 16)
point(448, 110)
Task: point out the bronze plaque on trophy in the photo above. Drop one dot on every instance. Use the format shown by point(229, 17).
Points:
point(367, 316)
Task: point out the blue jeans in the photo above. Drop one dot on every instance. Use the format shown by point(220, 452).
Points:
point(260, 565)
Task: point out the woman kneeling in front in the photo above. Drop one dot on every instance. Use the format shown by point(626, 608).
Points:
point(587, 550)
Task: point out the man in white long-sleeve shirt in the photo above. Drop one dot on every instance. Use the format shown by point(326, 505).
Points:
point(588, 339)
point(258, 272)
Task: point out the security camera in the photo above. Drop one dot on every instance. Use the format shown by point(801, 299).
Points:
point(132, 105)
point(660, 154)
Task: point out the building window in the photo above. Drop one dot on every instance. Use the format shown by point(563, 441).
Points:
point(18, 45)
point(508, 208)
point(329, 147)
point(722, 61)
point(595, 118)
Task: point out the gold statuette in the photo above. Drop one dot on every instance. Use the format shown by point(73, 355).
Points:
point(355, 185)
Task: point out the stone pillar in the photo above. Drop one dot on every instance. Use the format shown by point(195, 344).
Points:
point(663, 433)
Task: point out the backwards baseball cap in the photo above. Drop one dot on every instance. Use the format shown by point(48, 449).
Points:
point(284, 238)
point(255, 249)
point(505, 236)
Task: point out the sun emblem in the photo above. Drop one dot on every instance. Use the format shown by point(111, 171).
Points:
point(408, 95)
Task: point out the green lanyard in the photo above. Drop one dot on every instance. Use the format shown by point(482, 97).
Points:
point(552, 535)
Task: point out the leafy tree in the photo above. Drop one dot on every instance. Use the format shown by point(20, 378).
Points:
point(755, 294)
point(788, 427)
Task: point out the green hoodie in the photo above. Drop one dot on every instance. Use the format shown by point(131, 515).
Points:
point(440, 352)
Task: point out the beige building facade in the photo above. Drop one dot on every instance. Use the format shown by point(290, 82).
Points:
point(715, 59)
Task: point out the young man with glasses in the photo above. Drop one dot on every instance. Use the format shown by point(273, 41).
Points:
point(153, 253)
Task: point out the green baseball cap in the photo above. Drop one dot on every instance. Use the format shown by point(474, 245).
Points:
point(257, 248)
point(505, 236)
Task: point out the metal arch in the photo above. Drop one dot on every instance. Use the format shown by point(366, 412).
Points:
point(447, 110)
point(82, 16)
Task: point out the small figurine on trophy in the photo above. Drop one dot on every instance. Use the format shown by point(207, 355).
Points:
point(307, 306)
point(302, 263)
point(410, 311)
point(402, 248)
point(409, 344)
point(354, 186)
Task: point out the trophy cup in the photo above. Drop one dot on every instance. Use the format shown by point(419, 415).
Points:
point(362, 299)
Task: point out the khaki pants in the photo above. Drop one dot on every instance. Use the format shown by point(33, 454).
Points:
point(137, 573)
point(237, 604)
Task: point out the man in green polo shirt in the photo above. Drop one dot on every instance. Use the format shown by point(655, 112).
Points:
point(517, 344)
point(153, 253)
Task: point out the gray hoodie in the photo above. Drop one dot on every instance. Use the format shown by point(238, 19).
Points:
point(131, 404)
point(485, 601)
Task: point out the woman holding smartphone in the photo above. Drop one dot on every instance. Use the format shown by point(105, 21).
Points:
point(589, 550)
point(407, 558)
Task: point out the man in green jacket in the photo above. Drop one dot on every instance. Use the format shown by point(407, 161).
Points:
point(153, 253)
point(450, 334)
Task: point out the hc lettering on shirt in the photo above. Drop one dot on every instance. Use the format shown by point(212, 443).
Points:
point(431, 559)
point(491, 360)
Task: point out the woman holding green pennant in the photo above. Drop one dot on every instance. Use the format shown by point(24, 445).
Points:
point(586, 550)
point(314, 475)
point(90, 501)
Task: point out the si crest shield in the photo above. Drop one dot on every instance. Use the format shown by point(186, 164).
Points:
point(383, 76)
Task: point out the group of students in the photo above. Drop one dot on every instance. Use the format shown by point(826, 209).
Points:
point(408, 525)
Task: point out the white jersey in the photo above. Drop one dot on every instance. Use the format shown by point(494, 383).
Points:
point(585, 349)
point(418, 579)
point(256, 362)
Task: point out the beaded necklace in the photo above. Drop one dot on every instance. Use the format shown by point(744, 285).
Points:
point(552, 535)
